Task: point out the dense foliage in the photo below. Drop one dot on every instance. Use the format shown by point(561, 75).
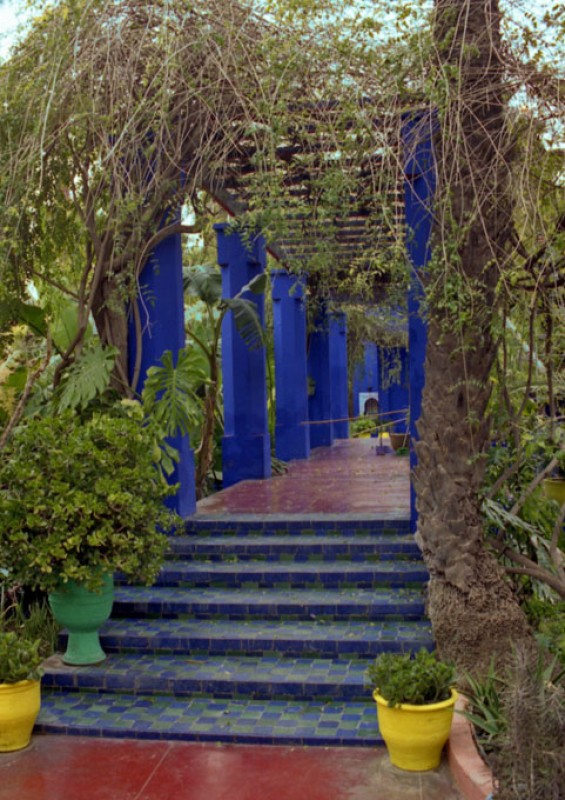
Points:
point(416, 679)
point(82, 497)
point(19, 658)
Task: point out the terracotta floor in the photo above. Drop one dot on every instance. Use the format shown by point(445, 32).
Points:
point(66, 768)
point(347, 478)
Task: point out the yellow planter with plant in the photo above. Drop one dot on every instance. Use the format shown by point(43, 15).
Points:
point(415, 702)
point(19, 690)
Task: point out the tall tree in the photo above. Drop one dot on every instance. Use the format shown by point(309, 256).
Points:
point(469, 600)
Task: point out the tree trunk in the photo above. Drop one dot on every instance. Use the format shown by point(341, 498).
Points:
point(473, 611)
point(112, 325)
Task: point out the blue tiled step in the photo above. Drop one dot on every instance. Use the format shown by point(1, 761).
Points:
point(202, 719)
point(387, 546)
point(216, 676)
point(270, 604)
point(269, 525)
point(288, 638)
point(296, 574)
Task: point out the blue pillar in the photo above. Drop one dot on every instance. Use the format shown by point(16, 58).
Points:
point(339, 376)
point(161, 309)
point(419, 190)
point(366, 376)
point(292, 433)
point(246, 447)
point(319, 371)
point(393, 387)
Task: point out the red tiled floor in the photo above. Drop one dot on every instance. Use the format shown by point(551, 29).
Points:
point(69, 768)
point(347, 478)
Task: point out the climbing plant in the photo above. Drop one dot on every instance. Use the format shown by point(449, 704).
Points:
point(114, 112)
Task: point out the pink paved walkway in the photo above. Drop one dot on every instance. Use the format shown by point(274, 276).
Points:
point(76, 768)
point(347, 478)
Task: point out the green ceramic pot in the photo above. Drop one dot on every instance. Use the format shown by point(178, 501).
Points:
point(82, 612)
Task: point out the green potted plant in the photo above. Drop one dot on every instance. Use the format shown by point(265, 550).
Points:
point(80, 499)
point(20, 675)
point(415, 701)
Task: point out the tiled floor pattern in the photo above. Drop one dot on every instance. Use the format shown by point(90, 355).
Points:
point(92, 769)
point(262, 622)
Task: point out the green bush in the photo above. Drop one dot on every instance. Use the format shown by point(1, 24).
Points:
point(80, 498)
point(415, 679)
point(19, 658)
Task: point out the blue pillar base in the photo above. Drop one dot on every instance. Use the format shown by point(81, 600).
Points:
point(292, 442)
point(341, 430)
point(184, 501)
point(321, 435)
point(245, 458)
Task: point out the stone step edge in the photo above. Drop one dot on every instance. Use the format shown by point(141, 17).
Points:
point(56, 717)
point(215, 676)
point(304, 521)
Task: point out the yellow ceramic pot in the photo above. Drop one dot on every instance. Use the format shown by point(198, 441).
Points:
point(19, 707)
point(554, 489)
point(415, 735)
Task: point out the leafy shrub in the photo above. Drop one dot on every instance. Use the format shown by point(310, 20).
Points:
point(485, 709)
point(548, 619)
point(363, 425)
point(19, 658)
point(415, 679)
point(81, 498)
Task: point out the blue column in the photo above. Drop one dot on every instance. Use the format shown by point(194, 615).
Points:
point(419, 190)
point(394, 396)
point(339, 376)
point(246, 446)
point(366, 376)
point(319, 371)
point(292, 433)
point(161, 309)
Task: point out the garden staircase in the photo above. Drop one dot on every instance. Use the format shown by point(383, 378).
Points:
point(257, 630)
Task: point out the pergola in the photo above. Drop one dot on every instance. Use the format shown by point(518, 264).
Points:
point(349, 239)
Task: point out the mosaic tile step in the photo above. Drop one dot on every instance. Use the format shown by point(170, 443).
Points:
point(216, 676)
point(202, 719)
point(296, 574)
point(337, 604)
point(266, 524)
point(288, 638)
point(386, 546)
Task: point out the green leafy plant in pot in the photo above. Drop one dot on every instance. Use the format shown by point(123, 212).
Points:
point(20, 675)
point(415, 701)
point(79, 500)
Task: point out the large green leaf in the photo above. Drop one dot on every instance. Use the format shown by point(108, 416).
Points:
point(205, 283)
point(87, 378)
point(18, 311)
point(246, 321)
point(168, 395)
point(64, 327)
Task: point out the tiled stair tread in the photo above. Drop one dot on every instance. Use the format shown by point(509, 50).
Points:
point(202, 719)
point(234, 632)
point(165, 674)
point(292, 543)
point(297, 523)
point(173, 599)
point(255, 569)
point(253, 628)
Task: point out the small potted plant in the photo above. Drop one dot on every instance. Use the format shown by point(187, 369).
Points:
point(415, 701)
point(20, 675)
point(80, 499)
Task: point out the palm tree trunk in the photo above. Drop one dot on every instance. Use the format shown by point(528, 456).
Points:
point(473, 610)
